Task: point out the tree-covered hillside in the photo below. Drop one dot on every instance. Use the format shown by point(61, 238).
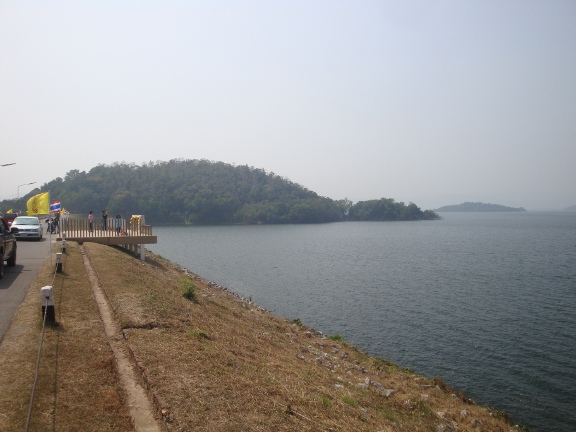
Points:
point(386, 209)
point(201, 192)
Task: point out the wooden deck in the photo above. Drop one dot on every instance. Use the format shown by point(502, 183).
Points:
point(108, 238)
point(78, 230)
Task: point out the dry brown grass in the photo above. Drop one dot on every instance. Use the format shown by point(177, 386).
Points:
point(222, 364)
point(77, 387)
point(215, 364)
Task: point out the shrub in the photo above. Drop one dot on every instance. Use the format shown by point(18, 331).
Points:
point(187, 288)
point(297, 322)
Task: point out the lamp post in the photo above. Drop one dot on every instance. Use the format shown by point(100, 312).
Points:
point(13, 163)
point(18, 189)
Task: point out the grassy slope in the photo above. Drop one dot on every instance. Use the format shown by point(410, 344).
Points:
point(77, 386)
point(217, 363)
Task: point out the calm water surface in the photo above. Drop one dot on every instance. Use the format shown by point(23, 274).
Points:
point(487, 301)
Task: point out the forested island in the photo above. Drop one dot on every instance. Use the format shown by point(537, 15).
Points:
point(479, 207)
point(208, 193)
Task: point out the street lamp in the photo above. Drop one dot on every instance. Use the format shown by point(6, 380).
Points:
point(18, 189)
point(13, 163)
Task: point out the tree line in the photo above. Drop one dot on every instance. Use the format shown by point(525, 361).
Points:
point(207, 192)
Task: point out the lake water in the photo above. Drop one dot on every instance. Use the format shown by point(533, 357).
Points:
point(486, 301)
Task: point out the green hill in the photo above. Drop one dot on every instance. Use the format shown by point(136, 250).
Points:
point(206, 192)
point(478, 207)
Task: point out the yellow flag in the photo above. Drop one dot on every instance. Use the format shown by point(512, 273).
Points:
point(9, 211)
point(39, 204)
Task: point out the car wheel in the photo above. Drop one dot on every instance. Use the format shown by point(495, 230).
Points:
point(12, 261)
point(1, 265)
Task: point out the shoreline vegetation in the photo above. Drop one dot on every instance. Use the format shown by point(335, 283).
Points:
point(210, 360)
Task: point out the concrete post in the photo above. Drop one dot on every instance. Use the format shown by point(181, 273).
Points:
point(59, 262)
point(47, 295)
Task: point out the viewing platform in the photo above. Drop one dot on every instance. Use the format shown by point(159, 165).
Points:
point(132, 233)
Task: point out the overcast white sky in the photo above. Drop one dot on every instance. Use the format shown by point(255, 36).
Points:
point(431, 102)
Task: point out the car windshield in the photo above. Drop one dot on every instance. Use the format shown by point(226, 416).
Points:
point(22, 220)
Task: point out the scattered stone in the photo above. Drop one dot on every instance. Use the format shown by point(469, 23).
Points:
point(387, 392)
point(408, 404)
point(339, 386)
point(463, 413)
point(377, 385)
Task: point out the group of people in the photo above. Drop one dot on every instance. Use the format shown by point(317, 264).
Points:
point(117, 222)
point(53, 224)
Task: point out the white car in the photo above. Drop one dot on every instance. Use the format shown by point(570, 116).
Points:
point(28, 227)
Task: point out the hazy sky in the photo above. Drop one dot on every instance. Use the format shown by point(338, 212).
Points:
point(431, 102)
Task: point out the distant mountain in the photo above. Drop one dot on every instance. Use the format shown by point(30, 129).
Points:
point(479, 207)
point(208, 193)
point(571, 208)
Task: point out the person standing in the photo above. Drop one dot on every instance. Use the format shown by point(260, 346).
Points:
point(91, 221)
point(104, 220)
point(57, 222)
point(118, 224)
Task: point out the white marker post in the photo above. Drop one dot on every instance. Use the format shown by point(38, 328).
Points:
point(47, 295)
point(59, 262)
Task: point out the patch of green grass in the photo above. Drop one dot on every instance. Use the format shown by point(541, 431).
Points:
point(297, 322)
point(336, 337)
point(348, 400)
point(325, 401)
point(424, 409)
point(187, 288)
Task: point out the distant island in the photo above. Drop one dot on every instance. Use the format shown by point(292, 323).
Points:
point(479, 207)
point(571, 208)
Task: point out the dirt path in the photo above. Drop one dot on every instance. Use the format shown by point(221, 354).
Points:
point(139, 404)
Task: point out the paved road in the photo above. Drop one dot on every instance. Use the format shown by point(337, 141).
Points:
point(18, 279)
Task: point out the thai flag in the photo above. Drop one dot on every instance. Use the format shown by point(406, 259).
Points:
point(55, 207)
